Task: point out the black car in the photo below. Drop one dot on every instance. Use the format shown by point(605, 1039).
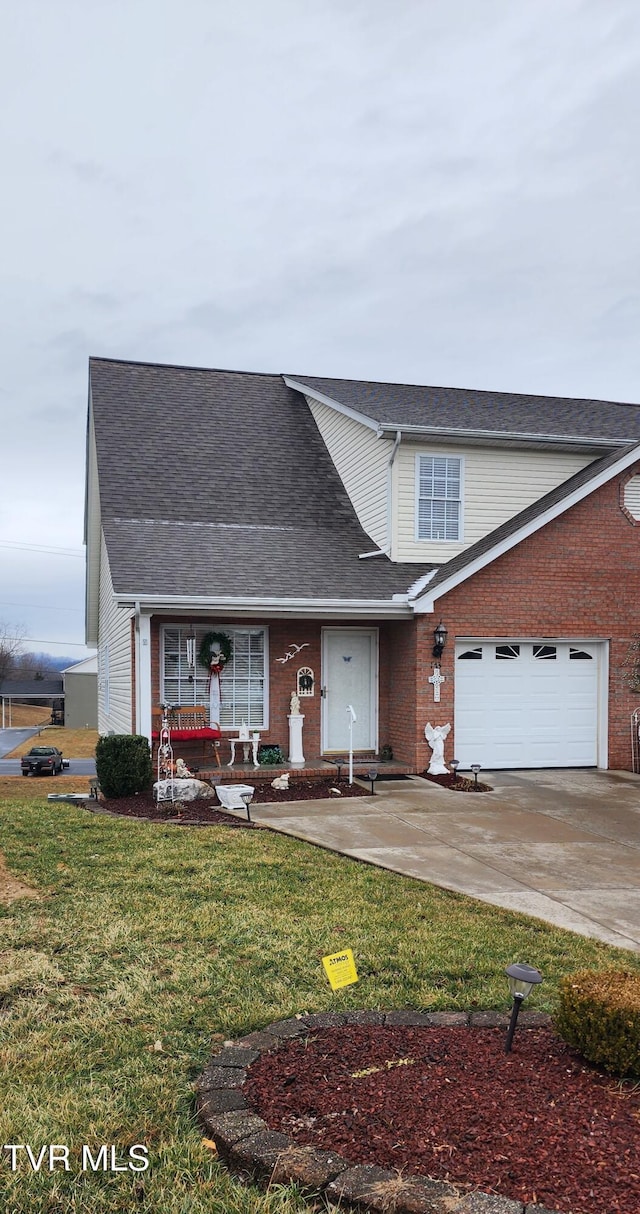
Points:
point(43, 761)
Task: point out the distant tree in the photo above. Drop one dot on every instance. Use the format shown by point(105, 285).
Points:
point(11, 646)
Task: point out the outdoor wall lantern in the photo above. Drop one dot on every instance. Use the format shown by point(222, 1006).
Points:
point(454, 765)
point(247, 797)
point(440, 640)
point(372, 775)
point(521, 979)
point(476, 767)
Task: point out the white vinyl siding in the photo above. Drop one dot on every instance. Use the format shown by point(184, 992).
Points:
point(497, 484)
point(243, 682)
point(362, 463)
point(439, 497)
point(114, 649)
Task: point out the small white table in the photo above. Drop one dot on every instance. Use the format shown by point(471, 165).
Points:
point(245, 743)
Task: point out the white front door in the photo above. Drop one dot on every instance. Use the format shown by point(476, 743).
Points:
point(349, 676)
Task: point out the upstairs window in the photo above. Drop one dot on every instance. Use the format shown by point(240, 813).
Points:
point(439, 510)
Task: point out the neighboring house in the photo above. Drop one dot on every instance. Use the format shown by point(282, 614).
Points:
point(349, 519)
point(48, 690)
point(81, 694)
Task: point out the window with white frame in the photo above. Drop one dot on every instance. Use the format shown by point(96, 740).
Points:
point(243, 682)
point(439, 497)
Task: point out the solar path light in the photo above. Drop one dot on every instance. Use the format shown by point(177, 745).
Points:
point(476, 767)
point(522, 978)
point(372, 775)
point(454, 765)
point(247, 797)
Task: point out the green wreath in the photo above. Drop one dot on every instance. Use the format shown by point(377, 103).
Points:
point(221, 641)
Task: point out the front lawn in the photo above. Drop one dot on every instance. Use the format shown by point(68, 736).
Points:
point(152, 944)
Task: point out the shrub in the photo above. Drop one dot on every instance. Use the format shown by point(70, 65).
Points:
point(599, 1014)
point(270, 755)
point(123, 764)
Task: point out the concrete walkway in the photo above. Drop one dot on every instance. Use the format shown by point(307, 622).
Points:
point(561, 845)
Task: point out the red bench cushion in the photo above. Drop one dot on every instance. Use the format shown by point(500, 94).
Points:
point(185, 735)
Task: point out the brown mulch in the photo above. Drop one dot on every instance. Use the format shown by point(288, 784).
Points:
point(536, 1125)
point(457, 783)
point(207, 812)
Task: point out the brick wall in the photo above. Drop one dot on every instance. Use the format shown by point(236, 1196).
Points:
point(577, 577)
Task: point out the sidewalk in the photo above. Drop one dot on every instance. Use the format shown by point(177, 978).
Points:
point(563, 846)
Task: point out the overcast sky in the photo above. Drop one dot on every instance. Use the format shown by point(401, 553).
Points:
point(429, 191)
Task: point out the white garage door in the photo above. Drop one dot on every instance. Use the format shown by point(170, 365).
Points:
point(525, 704)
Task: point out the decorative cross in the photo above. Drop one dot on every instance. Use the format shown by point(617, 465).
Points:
point(436, 679)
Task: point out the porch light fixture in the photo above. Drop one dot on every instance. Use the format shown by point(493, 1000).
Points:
point(522, 978)
point(372, 775)
point(454, 765)
point(440, 640)
point(247, 797)
point(476, 767)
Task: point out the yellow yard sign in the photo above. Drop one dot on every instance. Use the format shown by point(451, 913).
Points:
point(340, 968)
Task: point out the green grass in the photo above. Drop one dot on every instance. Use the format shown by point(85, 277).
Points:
point(152, 933)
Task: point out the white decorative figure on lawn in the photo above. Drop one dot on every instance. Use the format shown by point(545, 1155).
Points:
point(281, 782)
point(435, 736)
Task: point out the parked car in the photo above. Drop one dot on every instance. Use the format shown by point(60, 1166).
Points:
point(42, 761)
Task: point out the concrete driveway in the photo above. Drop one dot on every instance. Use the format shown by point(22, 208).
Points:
point(561, 845)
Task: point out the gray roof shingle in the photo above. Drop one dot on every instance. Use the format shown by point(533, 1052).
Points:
point(499, 412)
point(218, 483)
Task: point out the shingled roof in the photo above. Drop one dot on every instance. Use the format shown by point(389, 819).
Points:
point(500, 413)
point(217, 483)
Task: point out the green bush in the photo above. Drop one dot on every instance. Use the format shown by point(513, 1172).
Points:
point(269, 756)
point(599, 1013)
point(123, 764)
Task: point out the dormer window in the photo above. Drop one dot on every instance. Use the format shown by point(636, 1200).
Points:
point(439, 497)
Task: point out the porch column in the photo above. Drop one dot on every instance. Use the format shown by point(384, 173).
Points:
point(143, 676)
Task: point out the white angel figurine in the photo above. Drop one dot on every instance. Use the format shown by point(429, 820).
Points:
point(435, 736)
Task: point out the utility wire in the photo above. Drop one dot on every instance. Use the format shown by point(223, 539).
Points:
point(41, 548)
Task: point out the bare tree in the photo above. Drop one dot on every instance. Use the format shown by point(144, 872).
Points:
point(11, 639)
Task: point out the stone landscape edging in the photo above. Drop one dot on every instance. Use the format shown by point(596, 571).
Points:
point(251, 1150)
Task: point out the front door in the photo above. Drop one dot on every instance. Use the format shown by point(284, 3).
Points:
point(349, 676)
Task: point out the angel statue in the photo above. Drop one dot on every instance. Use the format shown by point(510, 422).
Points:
point(435, 736)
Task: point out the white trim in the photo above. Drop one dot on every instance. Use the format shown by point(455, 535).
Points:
point(425, 605)
point(510, 437)
point(333, 404)
point(603, 705)
point(143, 676)
point(375, 684)
point(274, 607)
point(429, 539)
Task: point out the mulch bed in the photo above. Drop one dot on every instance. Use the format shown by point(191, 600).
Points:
point(207, 812)
point(457, 783)
point(538, 1125)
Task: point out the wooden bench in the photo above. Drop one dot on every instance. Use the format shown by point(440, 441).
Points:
point(188, 723)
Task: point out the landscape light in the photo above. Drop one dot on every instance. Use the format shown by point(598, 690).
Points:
point(454, 765)
point(247, 797)
point(476, 767)
point(522, 978)
point(372, 775)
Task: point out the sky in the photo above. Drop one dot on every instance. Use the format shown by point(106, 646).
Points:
point(425, 191)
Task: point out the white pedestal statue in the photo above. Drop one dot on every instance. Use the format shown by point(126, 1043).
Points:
point(296, 755)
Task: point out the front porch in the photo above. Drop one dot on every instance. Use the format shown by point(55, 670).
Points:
point(312, 769)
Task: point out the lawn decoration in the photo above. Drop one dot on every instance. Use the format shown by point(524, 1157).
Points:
point(435, 736)
point(215, 651)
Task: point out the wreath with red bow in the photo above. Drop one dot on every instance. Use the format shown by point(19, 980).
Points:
point(219, 643)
